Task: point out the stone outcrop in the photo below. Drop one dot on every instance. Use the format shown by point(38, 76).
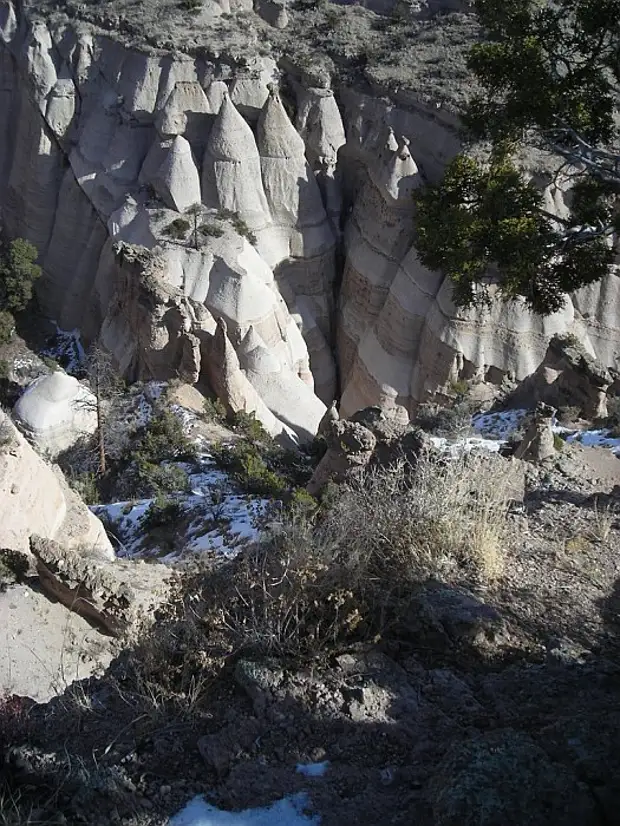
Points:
point(35, 499)
point(55, 411)
point(568, 376)
point(368, 439)
point(537, 443)
point(102, 143)
point(116, 597)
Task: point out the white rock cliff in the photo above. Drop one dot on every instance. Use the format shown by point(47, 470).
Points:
point(103, 148)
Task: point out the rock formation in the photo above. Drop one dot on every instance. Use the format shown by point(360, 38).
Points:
point(367, 439)
point(55, 411)
point(35, 499)
point(567, 376)
point(104, 142)
point(114, 597)
point(537, 443)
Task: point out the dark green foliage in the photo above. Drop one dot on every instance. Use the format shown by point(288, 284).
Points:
point(248, 425)
point(163, 512)
point(18, 272)
point(211, 230)
point(161, 442)
point(7, 326)
point(238, 223)
point(190, 5)
point(13, 568)
point(547, 77)
point(177, 229)
point(245, 463)
point(214, 411)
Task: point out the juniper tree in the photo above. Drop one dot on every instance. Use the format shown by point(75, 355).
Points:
point(18, 272)
point(547, 78)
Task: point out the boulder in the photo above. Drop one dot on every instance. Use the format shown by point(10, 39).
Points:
point(55, 411)
point(568, 376)
point(35, 498)
point(113, 596)
point(537, 444)
point(504, 777)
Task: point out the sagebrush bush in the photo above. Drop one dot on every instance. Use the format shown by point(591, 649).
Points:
point(316, 582)
point(454, 420)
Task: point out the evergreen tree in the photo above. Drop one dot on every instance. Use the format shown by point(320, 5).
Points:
point(548, 79)
point(18, 272)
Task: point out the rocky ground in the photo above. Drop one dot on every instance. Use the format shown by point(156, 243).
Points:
point(490, 703)
point(421, 47)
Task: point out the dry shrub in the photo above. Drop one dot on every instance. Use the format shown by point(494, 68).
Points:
point(350, 573)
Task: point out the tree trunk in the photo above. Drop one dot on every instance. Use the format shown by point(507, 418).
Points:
point(100, 431)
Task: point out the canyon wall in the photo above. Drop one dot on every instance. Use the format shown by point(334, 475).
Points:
point(299, 264)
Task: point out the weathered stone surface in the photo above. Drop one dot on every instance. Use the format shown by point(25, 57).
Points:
point(55, 411)
point(75, 178)
point(537, 443)
point(114, 596)
point(505, 777)
point(35, 498)
point(569, 375)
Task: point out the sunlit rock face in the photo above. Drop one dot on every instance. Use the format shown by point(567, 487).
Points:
point(300, 242)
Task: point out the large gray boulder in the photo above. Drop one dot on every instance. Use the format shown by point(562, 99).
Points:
point(504, 779)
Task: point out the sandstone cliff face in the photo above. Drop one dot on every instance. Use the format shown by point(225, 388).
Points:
point(104, 144)
point(35, 499)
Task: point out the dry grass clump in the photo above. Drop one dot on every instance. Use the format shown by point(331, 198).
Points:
point(351, 572)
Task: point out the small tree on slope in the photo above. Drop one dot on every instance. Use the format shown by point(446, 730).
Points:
point(18, 272)
point(548, 76)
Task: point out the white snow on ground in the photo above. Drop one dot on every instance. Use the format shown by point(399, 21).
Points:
point(596, 438)
point(500, 424)
point(312, 769)
point(286, 812)
point(466, 445)
point(67, 349)
point(222, 522)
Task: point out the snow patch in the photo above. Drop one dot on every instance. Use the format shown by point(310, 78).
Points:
point(67, 349)
point(222, 521)
point(596, 438)
point(500, 424)
point(312, 769)
point(286, 812)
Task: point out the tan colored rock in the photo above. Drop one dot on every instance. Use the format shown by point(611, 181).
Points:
point(173, 175)
point(35, 498)
point(537, 444)
point(231, 173)
point(116, 597)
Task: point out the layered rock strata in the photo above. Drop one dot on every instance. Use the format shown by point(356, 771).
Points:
point(103, 143)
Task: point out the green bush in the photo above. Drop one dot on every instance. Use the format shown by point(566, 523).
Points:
point(86, 486)
point(248, 425)
point(13, 568)
point(18, 272)
point(163, 512)
point(245, 463)
point(7, 326)
point(238, 223)
point(177, 229)
point(211, 230)
point(163, 439)
point(214, 411)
